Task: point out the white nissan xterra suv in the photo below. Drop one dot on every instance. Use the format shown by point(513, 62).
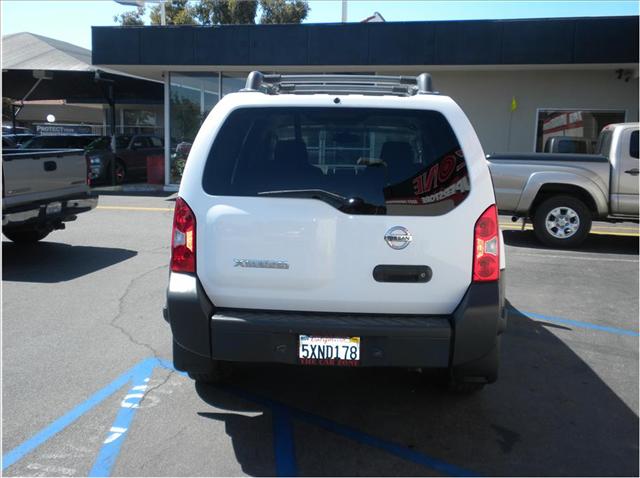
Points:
point(337, 220)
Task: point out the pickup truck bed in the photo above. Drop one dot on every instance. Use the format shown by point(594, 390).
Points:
point(562, 193)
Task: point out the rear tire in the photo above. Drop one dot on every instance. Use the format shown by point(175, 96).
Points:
point(26, 236)
point(120, 172)
point(465, 388)
point(562, 221)
point(471, 377)
point(218, 372)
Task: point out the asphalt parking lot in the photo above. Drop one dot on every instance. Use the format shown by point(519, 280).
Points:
point(88, 388)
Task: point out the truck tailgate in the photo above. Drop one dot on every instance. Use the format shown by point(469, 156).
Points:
point(38, 175)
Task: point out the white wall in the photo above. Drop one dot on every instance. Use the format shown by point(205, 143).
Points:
point(486, 98)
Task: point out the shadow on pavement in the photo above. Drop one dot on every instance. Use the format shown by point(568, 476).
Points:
point(548, 414)
point(604, 244)
point(50, 262)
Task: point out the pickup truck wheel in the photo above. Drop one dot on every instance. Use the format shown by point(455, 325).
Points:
point(27, 236)
point(562, 221)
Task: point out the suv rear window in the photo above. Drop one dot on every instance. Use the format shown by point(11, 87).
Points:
point(362, 161)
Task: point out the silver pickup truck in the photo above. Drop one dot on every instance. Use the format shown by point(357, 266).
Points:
point(562, 193)
point(41, 190)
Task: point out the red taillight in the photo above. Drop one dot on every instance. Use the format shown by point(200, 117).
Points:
point(183, 238)
point(486, 247)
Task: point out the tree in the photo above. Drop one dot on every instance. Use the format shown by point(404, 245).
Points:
point(220, 12)
point(7, 111)
point(226, 12)
point(131, 18)
point(177, 12)
point(283, 11)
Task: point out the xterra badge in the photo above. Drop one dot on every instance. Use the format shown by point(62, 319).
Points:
point(261, 263)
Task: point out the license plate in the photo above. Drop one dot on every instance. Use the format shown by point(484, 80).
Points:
point(54, 208)
point(341, 351)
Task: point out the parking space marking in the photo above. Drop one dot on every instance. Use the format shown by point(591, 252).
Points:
point(283, 442)
point(578, 258)
point(357, 435)
point(128, 407)
point(283, 416)
point(598, 231)
point(63, 422)
point(134, 208)
point(578, 323)
point(529, 227)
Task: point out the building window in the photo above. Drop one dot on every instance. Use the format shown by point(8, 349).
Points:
point(231, 84)
point(572, 131)
point(139, 122)
point(191, 97)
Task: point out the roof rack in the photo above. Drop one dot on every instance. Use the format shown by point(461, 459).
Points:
point(339, 84)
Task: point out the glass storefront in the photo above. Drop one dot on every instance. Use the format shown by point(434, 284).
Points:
point(191, 97)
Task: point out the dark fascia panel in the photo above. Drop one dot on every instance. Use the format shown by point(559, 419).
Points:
point(222, 45)
point(477, 42)
point(278, 45)
point(613, 40)
point(158, 44)
point(402, 44)
point(115, 45)
point(338, 44)
point(536, 42)
point(468, 43)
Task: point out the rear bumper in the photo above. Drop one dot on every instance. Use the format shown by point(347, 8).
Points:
point(237, 335)
point(49, 211)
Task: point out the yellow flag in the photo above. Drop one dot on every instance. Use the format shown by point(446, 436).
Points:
point(514, 104)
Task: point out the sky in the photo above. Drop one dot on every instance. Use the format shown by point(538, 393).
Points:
point(71, 20)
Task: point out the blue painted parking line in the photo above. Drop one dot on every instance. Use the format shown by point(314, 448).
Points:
point(284, 446)
point(283, 442)
point(128, 407)
point(63, 422)
point(579, 324)
point(358, 436)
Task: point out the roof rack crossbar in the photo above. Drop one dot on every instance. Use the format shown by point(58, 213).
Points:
point(364, 84)
point(344, 89)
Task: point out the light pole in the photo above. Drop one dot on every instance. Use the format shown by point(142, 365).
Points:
point(140, 3)
point(344, 11)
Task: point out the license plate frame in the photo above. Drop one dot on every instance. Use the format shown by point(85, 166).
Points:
point(329, 351)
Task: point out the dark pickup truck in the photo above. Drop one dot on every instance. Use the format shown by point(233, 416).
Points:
point(43, 189)
point(129, 158)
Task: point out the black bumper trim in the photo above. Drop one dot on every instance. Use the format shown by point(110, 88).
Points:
point(400, 341)
point(387, 340)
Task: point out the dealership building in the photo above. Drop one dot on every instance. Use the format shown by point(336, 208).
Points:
point(519, 81)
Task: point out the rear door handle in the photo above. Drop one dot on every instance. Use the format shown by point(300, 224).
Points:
point(50, 166)
point(632, 172)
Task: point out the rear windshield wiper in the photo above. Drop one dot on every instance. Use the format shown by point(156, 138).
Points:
point(351, 205)
point(332, 198)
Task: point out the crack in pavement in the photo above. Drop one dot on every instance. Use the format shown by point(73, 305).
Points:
point(129, 335)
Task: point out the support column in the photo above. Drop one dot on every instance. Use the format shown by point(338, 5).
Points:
point(167, 129)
